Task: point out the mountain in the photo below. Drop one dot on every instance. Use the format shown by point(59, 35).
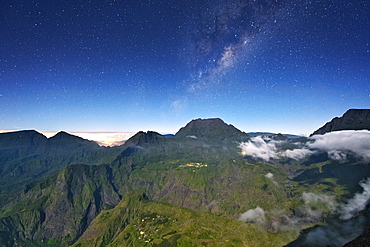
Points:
point(145, 139)
point(27, 156)
point(269, 134)
point(212, 128)
point(137, 221)
point(353, 119)
point(198, 188)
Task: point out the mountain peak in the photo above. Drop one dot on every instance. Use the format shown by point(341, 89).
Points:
point(353, 119)
point(143, 138)
point(63, 137)
point(22, 137)
point(209, 128)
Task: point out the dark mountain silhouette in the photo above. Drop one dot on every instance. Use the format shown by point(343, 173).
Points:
point(64, 138)
point(212, 128)
point(353, 119)
point(27, 156)
point(145, 138)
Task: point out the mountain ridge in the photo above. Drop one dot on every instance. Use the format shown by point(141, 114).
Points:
point(211, 128)
point(353, 119)
point(200, 172)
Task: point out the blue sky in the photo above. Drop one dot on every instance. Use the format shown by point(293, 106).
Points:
point(124, 66)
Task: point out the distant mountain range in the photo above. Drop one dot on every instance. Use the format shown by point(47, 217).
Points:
point(267, 134)
point(27, 156)
point(210, 184)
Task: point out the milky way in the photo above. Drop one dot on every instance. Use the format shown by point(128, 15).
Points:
point(263, 65)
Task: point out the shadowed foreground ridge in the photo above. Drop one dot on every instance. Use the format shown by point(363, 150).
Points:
point(353, 119)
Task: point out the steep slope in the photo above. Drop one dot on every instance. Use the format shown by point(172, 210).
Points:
point(28, 155)
point(136, 221)
point(203, 175)
point(212, 128)
point(204, 182)
point(362, 240)
point(61, 206)
point(353, 119)
point(21, 143)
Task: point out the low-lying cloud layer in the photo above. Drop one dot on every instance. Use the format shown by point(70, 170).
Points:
point(259, 148)
point(343, 227)
point(337, 144)
point(357, 203)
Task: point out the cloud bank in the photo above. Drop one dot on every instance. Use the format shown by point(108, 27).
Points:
point(266, 149)
point(339, 145)
point(357, 203)
point(338, 142)
point(258, 148)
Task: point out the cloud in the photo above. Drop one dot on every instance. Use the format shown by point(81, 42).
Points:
point(337, 155)
point(339, 145)
point(357, 203)
point(265, 148)
point(102, 138)
point(338, 142)
point(317, 204)
point(338, 233)
point(269, 175)
point(256, 215)
point(297, 153)
point(313, 209)
point(258, 148)
point(192, 136)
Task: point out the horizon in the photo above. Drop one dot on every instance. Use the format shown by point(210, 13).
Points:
point(115, 138)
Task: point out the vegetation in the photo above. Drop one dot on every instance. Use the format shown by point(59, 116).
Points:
point(188, 190)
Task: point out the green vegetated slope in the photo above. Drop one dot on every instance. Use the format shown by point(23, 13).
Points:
point(61, 206)
point(204, 178)
point(27, 156)
point(136, 221)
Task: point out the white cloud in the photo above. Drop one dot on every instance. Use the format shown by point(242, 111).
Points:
point(258, 148)
point(337, 155)
point(193, 137)
point(338, 144)
point(256, 215)
point(316, 204)
point(266, 149)
point(357, 141)
point(297, 153)
point(269, 175)
point(357, 203)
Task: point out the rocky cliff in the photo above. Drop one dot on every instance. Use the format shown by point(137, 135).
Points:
point(353, 119)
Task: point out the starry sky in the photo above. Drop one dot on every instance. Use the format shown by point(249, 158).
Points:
point(123, 65)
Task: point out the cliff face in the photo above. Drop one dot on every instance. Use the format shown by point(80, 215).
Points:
point(353, 119)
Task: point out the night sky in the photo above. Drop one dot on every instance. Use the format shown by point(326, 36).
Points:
point(115, 65)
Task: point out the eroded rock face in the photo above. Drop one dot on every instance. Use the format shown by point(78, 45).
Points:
point(353, 119)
